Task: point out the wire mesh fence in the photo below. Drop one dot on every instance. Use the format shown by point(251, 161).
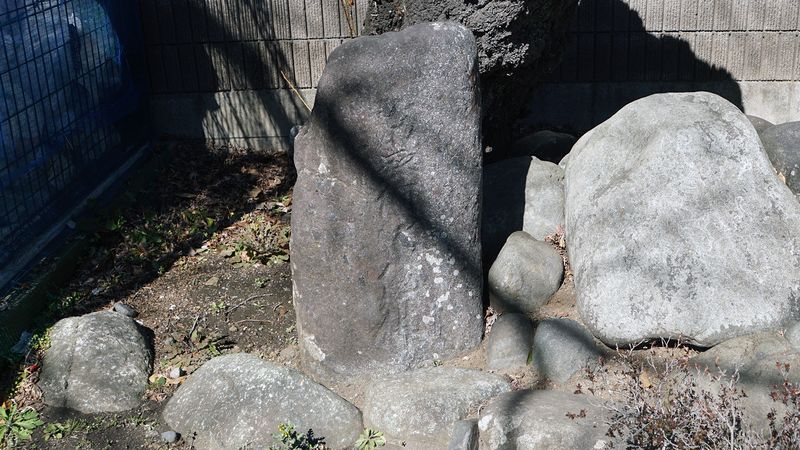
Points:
point(73, 112)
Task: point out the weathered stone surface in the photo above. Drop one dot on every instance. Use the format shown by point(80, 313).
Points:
point(537, 420)
point(755, 357)
point(99, 362)
point(760, 124)
point(793, 336)
point(466, 435)
point(782, 143)
point(385, 230)
point(509, 343)
point(423, 405)
point(545, 145)
point(519, 43)
point(525, 274)
point(678, 226)
point(520, 194)
point(237, 401)
point(562, 347)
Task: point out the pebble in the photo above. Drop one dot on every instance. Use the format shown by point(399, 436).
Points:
point(176, 372)
point(169, 341)
point(233, 329)
point(170, 436)
point(125, 310)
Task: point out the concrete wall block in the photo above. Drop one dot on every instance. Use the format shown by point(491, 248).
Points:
point(722, 14)
point(654, 20)
point(785, 57)
point(705, 17)
point(790, 16)
point(756, 13)
point(314, 21)
point(672, 16)
point(302, 65)
point(297, 19)
point(772, 15)
point(739, 12)
point(689, 15)
point(752, 56)
point(736, 55)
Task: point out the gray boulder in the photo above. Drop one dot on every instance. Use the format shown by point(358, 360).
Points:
point(519, 43)
point(678, 226)
point(537, 420)
point(509, 343)
point(782, 143)
point(755, 358)
point(99, 362)
point(423, 405)
point(562, 347)
point(466, 435)
point(760, 124)
point(520, 194)
point(792, 335)
point(237, 401)
point(525, 275)
point(545, 145)
point(386, 259)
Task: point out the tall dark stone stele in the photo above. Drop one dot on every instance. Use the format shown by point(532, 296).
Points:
point(385, 228)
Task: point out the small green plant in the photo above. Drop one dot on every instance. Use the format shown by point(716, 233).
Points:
point(16, 425)
point(370, 439)
point(262, 282)
point(217, 307)
point(292, 440)
point(58, 431)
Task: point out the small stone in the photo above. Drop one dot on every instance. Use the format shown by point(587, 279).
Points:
point(465, 435)
point(233, 329)
point(288, 353)
point(176, 372)
point(125, 310)
point(170, 436)
point(169, 341)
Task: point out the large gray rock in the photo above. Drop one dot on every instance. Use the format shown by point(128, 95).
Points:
point(385, 231)
point(562, 347)
point(509, 343)
point(423, 405)
point(525, 275)
point(99, 362)
point(519, 43)
point(782, 143)
point(754, 358)
point(760, 124)
point(237, 401)
point(520, 194)
point(678, 226)
point(537, 420)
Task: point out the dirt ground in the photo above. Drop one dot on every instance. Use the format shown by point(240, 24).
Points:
point(202, 257)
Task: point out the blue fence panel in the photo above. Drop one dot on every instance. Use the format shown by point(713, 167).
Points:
point(73, 110)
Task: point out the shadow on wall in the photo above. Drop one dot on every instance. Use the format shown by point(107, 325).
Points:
point(613, 60)
point(215, 66)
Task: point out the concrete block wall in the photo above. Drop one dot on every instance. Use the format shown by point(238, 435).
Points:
point(745, 50)
point(216, 67)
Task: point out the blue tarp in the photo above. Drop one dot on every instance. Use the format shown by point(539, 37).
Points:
point(72, 110)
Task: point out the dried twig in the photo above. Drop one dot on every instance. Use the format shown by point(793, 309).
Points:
point(242, 303)
point(194, 325)
point(253, 320)
point(295, 91)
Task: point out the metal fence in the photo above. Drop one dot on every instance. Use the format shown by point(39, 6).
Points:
point(73, 116)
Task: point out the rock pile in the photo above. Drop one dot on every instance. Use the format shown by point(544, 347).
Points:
point(677, 225)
